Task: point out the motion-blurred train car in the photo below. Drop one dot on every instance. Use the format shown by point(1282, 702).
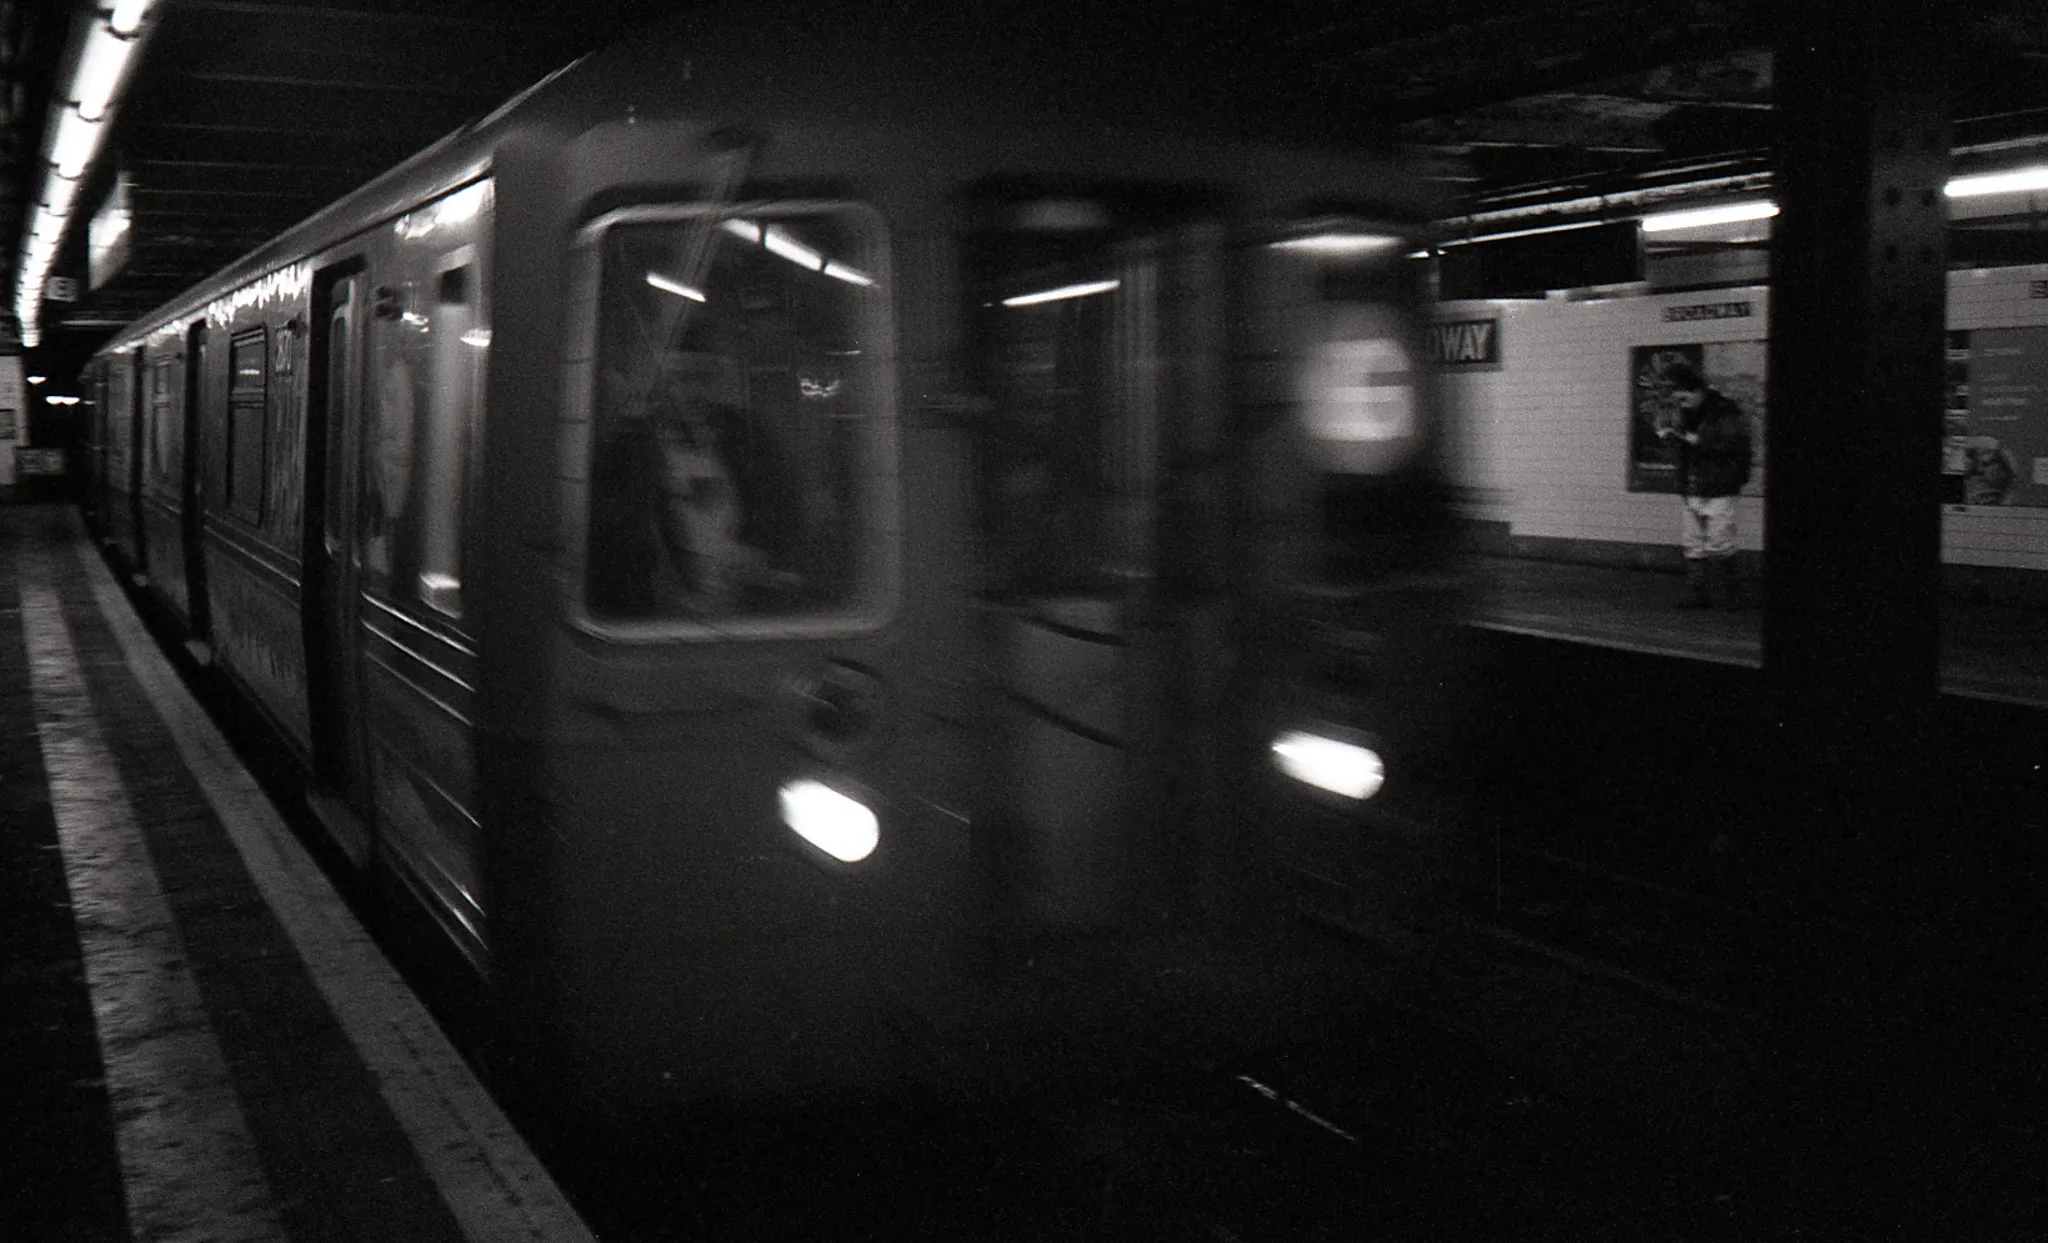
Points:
point(831, 550)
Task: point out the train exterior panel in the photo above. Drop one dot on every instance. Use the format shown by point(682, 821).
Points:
point(765, 565)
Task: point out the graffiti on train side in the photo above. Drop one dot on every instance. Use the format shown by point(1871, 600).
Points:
point(256, 633)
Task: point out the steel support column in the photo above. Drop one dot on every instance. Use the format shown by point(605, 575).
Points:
point(1852, 530)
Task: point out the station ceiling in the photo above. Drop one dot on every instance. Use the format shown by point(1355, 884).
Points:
point(246, 115)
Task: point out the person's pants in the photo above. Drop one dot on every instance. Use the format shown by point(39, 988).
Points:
point(1709, 529)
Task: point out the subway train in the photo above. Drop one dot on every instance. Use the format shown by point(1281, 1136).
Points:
point(811, 588)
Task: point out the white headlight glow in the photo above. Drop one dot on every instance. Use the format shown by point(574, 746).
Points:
point(1340, 767)
point(840, 826)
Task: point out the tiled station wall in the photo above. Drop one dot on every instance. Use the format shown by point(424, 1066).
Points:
point(1543, 446)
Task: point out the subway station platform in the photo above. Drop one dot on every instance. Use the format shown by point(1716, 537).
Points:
point(1990, 648)
point(202, 1043)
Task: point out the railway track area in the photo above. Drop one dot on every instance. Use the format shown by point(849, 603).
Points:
point(1378, 1126)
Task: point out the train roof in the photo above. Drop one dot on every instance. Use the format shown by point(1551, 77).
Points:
point(1108, 75)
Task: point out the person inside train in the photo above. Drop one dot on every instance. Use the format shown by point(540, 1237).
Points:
point(684, 490)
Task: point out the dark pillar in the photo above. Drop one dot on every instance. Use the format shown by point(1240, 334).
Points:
point(1852, 533)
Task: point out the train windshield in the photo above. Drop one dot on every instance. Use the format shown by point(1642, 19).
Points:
point(734, 464)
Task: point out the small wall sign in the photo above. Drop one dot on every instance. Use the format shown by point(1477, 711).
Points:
point(1708, 310)
point(1465, 342)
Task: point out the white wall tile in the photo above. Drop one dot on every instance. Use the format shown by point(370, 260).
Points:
point(1544, 439)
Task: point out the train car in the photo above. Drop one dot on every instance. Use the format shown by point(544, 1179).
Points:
point(812, 544)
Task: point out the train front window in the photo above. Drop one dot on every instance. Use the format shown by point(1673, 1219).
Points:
point(738, 449)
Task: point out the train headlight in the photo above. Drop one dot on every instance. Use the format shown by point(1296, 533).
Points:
point(841, 826)
point(1344, 768)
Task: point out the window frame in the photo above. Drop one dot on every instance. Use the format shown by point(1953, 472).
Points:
point(879, 579)
point(233, 502)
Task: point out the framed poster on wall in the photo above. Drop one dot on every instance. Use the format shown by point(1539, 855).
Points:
point(1995, 446)
point(1735, 369)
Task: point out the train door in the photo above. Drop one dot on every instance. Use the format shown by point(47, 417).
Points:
point(191, 495)
point(331, 599)
point(425, 338)
point(1098, 339)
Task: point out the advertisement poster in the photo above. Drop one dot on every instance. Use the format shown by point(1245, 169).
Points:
point(1995, 446)
point(1735, 369)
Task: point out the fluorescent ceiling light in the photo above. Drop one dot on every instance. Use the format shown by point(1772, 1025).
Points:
point(77, 141)
point(1699, 217)
point(1339, 242)
point(2017, 181)
point(852, 276)
point(1062, 293)
point(99, 73)
point(746, 229)
point(778, 242)
point(665, 285)
point(127, 16)
point(59, 196)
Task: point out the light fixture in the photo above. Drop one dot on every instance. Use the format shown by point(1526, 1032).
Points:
point(104, 53)
point(840, 826)
point(1700, 217)
point(1341, 768)
point(1339, 243)
point(780, 243)
point(665, 285)
point(1063, 292)
point(78, 140)
point(127, 16)
point(2016, 181)
point(852, 276)
point(100, 71)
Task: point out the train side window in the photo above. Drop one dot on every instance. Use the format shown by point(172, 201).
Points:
point(1060, 323)
point(457, 345)
point(741, 464)
point(165, 448)
point(428, 345)
point(120, 412)
point(248, 423)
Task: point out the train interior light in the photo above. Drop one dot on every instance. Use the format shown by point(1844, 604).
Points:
point(777, 242)
point(1342, 768)
point(666, 285)
point(840, 826)
point(1062, 293)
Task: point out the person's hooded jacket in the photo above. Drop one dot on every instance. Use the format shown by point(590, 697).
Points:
point(1719, 464)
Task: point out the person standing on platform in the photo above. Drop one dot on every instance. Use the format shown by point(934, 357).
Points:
point(1711, 441)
